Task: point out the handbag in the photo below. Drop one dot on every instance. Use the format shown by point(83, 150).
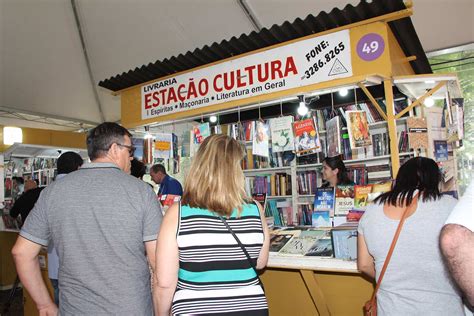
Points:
point(370, 307)
point(244, 250)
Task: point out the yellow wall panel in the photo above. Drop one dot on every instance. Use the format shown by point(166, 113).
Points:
point(35, 136)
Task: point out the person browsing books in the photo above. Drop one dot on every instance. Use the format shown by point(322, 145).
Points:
point(213, 242)
point(416, 282)
point(334, 172)
point(168, 185)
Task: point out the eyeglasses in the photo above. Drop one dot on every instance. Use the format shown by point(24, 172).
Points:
point(130, 148)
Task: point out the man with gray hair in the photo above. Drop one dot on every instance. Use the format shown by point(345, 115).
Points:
point(104, 224)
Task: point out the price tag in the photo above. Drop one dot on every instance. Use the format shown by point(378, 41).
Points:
point(370, 47)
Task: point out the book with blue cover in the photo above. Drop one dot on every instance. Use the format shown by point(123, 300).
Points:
point(324, 200)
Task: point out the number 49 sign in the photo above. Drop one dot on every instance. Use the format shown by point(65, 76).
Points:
point(370, 46)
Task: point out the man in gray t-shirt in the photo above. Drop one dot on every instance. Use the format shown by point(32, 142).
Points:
point(103, 223)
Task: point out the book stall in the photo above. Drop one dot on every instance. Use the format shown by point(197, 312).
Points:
point(354, 90)
point(34, 158)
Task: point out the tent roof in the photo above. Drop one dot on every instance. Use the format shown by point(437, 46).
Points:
point(47, 82)
point(403, 30)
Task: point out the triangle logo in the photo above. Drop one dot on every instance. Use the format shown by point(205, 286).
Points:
point(337, 68)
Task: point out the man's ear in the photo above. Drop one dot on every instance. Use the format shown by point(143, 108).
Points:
point(336, 171)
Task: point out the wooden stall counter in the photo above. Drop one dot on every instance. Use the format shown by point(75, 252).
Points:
point(298, 285)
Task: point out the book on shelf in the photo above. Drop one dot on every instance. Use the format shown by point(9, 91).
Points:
point(344, 199)
point(333, 137)
point(440, 150)
point(358, 129)
point(321, 218)
point(163, 145)
point(361, 196)
point(308, 182)
point(281, 211)
point(278, 241)
point(260, 198)
point(344, 241)
point(354, 215)
point(282, 138)
point(324, 200)
point(298, 245)
point(306, 137)
point(417, 132)
point(378, 189)
point(260, 143)
point(321, 248)
point(305, 213)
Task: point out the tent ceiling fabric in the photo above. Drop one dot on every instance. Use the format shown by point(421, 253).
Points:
point(42, 65)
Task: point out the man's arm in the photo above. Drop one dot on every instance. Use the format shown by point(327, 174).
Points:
point(150, 248)
point(25, 254)
point(457, 244)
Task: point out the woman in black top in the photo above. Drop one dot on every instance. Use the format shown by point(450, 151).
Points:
point(334, 172)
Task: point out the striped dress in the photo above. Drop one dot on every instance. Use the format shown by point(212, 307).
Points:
point(215, 276)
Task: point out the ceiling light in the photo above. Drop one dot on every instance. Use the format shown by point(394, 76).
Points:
point(302, 109)
point(12, 135)
point(428, 102)
point(343, 92)
point(430, 81)
point(213, 119)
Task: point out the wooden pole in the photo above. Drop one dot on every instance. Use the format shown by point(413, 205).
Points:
point(392, 127)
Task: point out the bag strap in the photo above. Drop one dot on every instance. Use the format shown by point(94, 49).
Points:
point(392, 246)
point(243, 248)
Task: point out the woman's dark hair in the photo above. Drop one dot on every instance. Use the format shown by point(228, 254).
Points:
point(336, 162)
point(138, 168)
point(417, 173)
point(69, 162)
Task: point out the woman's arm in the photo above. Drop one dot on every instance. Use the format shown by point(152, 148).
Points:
point(167, 262)
point(365, 262)
point(263, 256)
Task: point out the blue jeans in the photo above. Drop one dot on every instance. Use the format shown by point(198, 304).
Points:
point(54, 283)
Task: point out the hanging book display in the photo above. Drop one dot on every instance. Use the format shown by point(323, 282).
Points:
point(333, 137)
point(163, 144)
point(455, 125)
point(174, 150)
point(417, 132)
point(358, 129)
point(306, 137)
point(197, 136)
point(282, 134)
point(260, 141)
point(440, 150)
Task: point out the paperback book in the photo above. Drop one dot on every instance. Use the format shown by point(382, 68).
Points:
point(321, 248)
point(333, 137)
point(358, 129)
point(344, 199)
point(279, 241)
point(260, 146)
point(361, 196)
point(163, 145)
point(417, 132)
point(298, 246)
point(344, 241)
point(324, 200)
point(440, 150)
point(282, 134)
point(306, 137)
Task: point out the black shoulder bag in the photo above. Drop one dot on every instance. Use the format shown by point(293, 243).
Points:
point(243, 249)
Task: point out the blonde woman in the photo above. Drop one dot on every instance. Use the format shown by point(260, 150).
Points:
point(201, 268)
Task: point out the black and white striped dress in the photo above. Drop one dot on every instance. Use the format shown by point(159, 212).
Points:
point(215, 276)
